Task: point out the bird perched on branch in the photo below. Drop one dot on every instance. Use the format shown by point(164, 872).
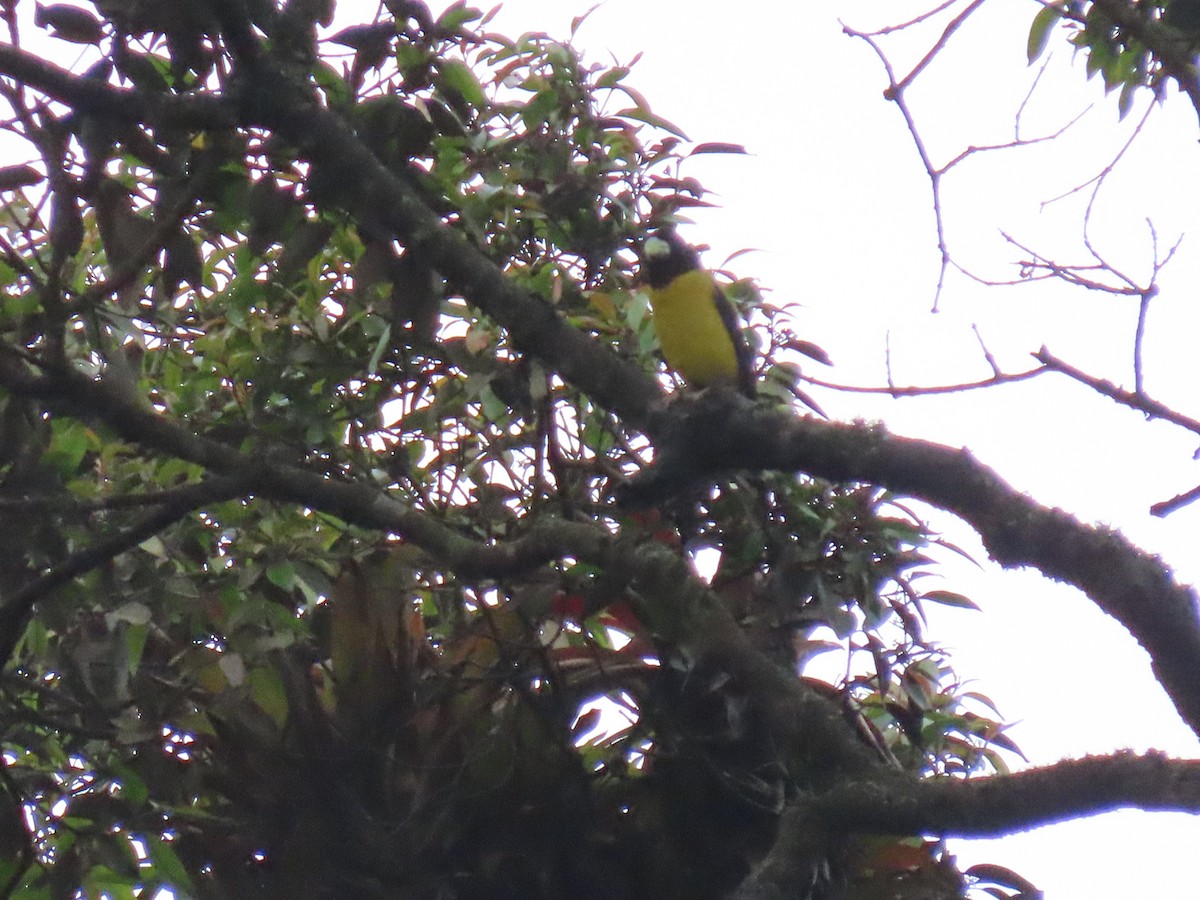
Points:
point(696, 325)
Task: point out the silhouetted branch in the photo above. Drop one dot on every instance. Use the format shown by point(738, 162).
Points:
point(928, 390)
point(1133, 399)
point(895, 803)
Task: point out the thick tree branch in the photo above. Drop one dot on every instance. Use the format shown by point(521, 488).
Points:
point(195, 111)
point(72, 393)
point(1001, 804)
point(897, 803)
point(698, 438)
point(718, 434)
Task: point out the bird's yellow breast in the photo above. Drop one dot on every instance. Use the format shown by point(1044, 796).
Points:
point(691, 332)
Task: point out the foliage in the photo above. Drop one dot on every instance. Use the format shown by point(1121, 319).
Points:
point(1130, 45)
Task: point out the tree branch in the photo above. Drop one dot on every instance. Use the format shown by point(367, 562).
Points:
point(17, 606)
point(1000, 804)
point(676, 605)
point(896, 803)
point(1153, 409)
point(194, 111)
point(712, 435)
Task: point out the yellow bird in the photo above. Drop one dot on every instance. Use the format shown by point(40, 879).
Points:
point(696, 325)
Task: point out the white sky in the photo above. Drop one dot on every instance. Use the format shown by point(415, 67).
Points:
point(835, 198)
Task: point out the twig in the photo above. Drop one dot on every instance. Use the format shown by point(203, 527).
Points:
point(929, 390)
point(1153, 409)
point(1166, 507)
point(987, 354)
point(895, 92)
point(941, 42)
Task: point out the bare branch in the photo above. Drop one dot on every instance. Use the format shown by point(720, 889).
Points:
point(1166, 507)
point(1072, 274)
point(1098, 179)
point(1152, 408)
point(987, 354)
point(941, 42)
point(889, 29)
point(895, 92)
point(893, 390)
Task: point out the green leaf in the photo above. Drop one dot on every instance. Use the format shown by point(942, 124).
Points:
point(268, 693)
point(612, 76)
point(155, 547)
point(949, 598)
point(33, 884)
point(331, 81)
point(103, 880)
point(282, 575)
point(458, 77)
point(132, 613)
point(19, 304)
point(539, 108)
point(7, 276)
point(581, 18)
point(1039, 31)
point(717, 147)
point(493, 407)
point(458, 15)
point(72, 440)
point(1125, 100)
point(381, 347)
point(642, 114)
point(168, 865)
point(135, 645)
point(132, 787)
point(36, 640)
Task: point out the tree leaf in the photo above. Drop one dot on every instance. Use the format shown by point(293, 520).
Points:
point(1039, 31)
point(14, 177)
point(268, 693)
point(950, 598)
point(459, 78)
point(70, 23)
point(642, 114)
point(716, 147)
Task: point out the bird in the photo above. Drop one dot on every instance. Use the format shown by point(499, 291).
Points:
point(696, 325)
